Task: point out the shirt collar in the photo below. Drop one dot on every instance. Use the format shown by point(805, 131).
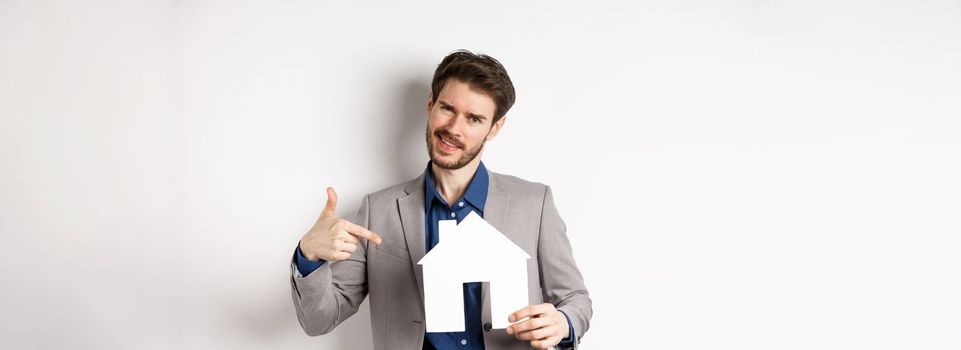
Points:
point(476, 193)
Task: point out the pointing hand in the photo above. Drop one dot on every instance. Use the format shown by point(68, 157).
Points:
point(333, 238)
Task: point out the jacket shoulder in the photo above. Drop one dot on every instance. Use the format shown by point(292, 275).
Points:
point(395, 191)
point(518, 186)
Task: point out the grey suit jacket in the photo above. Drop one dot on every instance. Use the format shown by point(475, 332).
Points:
point(523, 211)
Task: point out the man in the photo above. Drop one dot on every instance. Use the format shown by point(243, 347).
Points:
point(335, 265)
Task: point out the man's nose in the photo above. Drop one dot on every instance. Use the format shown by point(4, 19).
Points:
point(455, 125)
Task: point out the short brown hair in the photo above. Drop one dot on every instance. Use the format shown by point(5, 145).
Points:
point(481, 72)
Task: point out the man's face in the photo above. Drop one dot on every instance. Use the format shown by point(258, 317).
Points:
point(459, 124)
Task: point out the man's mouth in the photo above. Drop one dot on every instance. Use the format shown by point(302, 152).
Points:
point(448, 145)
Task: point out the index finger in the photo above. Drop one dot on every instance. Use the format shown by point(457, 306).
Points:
point(530, 311)
point(361, 232)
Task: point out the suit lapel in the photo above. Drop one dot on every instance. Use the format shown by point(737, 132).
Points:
point(498, 204)
point(411, 208)
point(495, 212)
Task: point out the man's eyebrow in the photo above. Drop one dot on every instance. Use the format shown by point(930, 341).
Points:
point(445, 104)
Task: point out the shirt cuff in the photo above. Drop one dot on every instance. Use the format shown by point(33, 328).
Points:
point(306, 266)
point(568, 342)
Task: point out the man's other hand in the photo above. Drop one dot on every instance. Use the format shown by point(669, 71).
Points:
point(540, 324)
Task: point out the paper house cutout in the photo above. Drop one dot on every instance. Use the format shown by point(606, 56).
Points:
point(472, 251)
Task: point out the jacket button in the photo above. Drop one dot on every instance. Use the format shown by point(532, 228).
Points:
point(487, 327)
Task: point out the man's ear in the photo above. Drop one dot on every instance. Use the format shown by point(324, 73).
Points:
point(430, 101)
point(496, 128)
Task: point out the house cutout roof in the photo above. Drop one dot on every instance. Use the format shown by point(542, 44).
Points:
point(472, 241)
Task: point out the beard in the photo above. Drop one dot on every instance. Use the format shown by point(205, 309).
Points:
point(467, 157)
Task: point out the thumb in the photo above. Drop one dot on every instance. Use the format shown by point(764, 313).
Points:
point(330, 210)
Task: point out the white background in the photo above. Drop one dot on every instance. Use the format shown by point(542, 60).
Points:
point(734, 175)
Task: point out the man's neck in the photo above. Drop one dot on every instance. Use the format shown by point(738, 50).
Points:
point(452, 183)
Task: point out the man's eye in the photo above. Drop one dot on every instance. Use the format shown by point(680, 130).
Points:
point(475, 119)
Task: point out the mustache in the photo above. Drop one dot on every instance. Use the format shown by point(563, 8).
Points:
point(446, 134)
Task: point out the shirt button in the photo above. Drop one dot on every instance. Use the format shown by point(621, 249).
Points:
point(453, 214)
point(463, 342)
point(461, 204)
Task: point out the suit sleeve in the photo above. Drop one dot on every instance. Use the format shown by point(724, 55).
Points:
point(561, 280)
point(333, 292)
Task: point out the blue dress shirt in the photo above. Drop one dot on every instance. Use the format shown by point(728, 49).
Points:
point(436, 209)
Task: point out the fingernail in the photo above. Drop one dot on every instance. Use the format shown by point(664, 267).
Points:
point(510, 318)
